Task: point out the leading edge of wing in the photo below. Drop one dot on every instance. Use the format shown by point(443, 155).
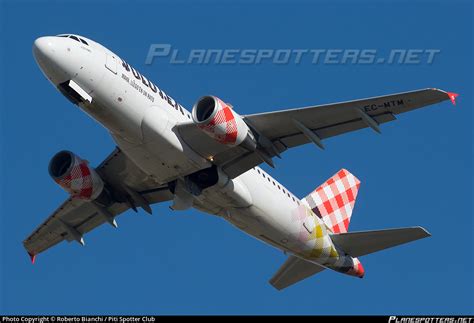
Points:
point(448, 96)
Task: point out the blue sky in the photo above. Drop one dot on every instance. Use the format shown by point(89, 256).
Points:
point(418, 172)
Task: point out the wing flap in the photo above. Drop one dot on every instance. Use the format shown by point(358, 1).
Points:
point(293, 270)
point(297, 138)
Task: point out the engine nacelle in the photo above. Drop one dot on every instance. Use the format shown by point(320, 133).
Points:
point(75, 176)
point(220, 122)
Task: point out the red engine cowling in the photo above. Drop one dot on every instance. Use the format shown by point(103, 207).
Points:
point(219, 121)
point(75, 176)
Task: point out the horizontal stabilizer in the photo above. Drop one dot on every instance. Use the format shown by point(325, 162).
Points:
point(362, 243)
point(292, 271)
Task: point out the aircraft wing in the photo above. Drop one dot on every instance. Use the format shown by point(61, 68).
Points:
point(290, 128)
point(292, 271)
point(76, 217)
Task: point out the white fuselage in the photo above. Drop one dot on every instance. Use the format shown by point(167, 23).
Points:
point(141, 118)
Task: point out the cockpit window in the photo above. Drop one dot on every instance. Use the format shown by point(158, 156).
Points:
point(78, 39)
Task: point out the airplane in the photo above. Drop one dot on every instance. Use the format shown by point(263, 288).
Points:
point(209, 159)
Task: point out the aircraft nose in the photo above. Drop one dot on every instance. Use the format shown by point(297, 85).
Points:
point(43, 48)
point(62, 58)
point(50, 55)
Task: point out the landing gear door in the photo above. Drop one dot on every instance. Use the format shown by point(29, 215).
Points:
point(111, 63)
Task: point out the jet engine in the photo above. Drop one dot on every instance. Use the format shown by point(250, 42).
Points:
point(75, 176)
point(220, 122)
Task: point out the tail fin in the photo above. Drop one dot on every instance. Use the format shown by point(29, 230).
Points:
point(357, 244)
point(334, 200)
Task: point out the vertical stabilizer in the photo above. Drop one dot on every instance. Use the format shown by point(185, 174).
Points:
point(334, 200)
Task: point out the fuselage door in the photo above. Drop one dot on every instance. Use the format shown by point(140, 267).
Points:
point(111, 63)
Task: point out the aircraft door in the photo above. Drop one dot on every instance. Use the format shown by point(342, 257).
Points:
point(111, 63)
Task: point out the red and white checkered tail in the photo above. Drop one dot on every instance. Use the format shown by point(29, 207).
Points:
point(334, 200)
